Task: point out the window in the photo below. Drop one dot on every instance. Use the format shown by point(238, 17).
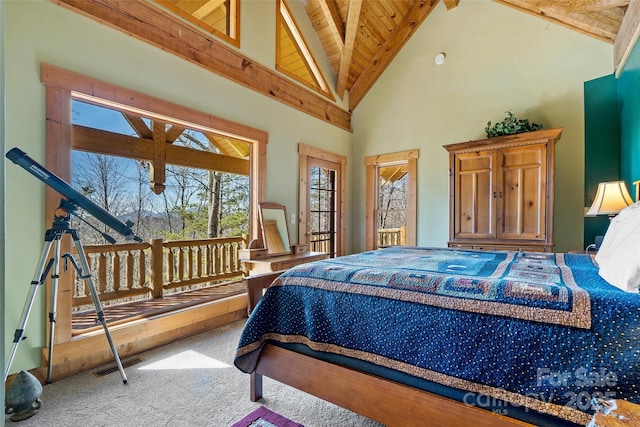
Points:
point(391, 200)
point(293, 56)
point(322, 185)
point(218, 17)
point(63, 87)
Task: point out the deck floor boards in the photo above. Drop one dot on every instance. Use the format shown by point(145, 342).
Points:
point(86, 321)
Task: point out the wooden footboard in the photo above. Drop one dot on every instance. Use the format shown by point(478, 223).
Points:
point(379, 399)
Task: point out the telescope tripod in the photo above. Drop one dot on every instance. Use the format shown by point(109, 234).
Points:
point(52, 237)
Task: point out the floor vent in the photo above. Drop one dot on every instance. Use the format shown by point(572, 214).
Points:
point(114, 368)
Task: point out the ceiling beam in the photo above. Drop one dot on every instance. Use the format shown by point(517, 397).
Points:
point(595, 4)
point(355, 6)
point(604, 29)
point(414, 17)
point(334, 22)
point(451, 4)
point(143, 21)
point(627, 36)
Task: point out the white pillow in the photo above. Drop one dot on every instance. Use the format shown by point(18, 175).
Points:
point(619, 254)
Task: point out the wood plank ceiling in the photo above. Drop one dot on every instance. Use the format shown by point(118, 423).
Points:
point(361, 37)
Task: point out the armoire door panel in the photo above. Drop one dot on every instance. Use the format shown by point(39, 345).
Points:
point(522, 203)
point(475, 205)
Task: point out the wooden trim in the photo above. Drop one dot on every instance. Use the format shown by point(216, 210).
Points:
point(143, 21)
point(58, 160)
point(381, 60)
point(369, 395)
point(412, 209)
point(130, 100)
point(353, 17)
point(90, 350)
point(372, 163)
point(305, 152)
point(525, 138)
point(627, 36)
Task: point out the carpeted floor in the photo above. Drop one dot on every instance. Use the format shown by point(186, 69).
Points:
point(190, 383)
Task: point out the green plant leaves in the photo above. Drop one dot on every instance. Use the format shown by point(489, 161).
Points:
point(510, 126)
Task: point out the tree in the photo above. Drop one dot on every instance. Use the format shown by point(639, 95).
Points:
point(100, 180)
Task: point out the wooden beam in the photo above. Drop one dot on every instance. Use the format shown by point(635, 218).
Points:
point(334, 22)
point(604, 27)
point(416, 15)
point(174, 133)
point(596, 4)
point(138, 125)
point(96, 140)
point(355, 6)
point(627, 36)
point(158, 166)
point(451, 4)
point(142, 20)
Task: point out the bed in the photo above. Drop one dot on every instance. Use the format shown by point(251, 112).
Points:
point(438, 336)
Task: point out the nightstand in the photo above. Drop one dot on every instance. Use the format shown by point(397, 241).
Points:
point(264, 271)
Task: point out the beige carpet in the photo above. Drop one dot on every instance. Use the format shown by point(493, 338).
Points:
point(191, 382)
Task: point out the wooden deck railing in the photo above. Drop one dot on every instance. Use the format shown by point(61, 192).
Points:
point(130, 270)
point(391, 237)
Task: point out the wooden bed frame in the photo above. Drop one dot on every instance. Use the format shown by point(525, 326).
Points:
point(379, 399)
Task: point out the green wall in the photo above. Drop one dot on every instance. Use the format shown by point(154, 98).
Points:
point(602, 148)
point(40, 31)
point(612, 135)
point(629, 104)
point(507, 60)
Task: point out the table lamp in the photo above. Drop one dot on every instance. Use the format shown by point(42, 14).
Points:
point(611, 198)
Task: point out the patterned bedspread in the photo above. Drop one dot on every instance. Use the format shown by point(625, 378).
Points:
point(537, 330)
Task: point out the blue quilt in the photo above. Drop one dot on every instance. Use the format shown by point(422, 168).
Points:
point(536, 330)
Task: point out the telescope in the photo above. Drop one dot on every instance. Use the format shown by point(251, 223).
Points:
point(74, 198)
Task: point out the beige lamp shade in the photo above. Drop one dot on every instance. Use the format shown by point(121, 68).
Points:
point(610, 199)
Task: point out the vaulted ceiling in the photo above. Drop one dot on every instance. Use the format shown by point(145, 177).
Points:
point(361, 37)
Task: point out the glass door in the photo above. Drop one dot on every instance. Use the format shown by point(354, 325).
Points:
point(322, 218)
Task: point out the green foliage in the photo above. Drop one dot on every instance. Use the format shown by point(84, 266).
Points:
point(510, 126)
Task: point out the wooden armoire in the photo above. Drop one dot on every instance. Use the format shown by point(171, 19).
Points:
point(501, 192)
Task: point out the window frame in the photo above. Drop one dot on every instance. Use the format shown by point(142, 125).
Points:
point(372, 165)
point(234, 21)
point(60, 88)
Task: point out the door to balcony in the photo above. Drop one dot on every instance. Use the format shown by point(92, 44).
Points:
point(321, 223)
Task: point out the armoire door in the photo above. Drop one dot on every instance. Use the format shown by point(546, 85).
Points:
point(522, 192)
point(475, 203)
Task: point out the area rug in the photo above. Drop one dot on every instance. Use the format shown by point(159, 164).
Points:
point(263, 417)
